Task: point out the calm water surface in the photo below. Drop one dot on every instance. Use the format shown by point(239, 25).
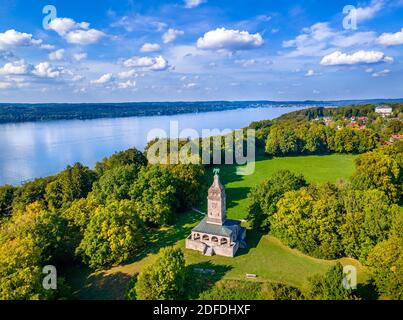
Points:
point(37, 149)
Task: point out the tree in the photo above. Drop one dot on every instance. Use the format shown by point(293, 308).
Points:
point(20, 272)
point(344, 140)
point(386, 262)
point(309, 220)
point(128, 157)
point(281, 141)
point(264, 197)
point(314, 141)
point(329, 286)
point(6, 200)
point(30, 192)
point(115, 183)
point(72, 183)
point(165, 279)
point(154, 193)
point(368, 221)
point(377, 170)
point(190, 184)
point(114, 233)
point(367, 140)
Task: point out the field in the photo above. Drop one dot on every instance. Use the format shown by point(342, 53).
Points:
point(265, 256)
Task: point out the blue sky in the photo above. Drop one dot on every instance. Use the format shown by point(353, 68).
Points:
point(104, 51)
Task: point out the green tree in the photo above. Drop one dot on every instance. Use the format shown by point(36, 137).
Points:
point(72, 183)
point(281, 141)
point(344, 140)
point(114, 233)
point(264, 197)
point(165, 279)
point(386, 262)
point(128, 157)
point(368, 220)
point(6, 200)
point(154, 192)
point(329, 286)
point(115, 183)
point(377, 170)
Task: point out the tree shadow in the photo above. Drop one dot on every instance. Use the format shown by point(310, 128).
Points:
point(367, 291)
point(103, 286)
point(197, 282)
point(169, 236)
point(252, 240)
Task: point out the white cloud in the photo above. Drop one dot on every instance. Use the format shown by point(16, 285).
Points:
point(338, 58)
point(12, 38)
point(193, 3)
point(45, 70)
point(47, 46)
point(171, 35)
point(105, 78)
point(84, 37)
point(79, 56)
point(367, 13)
point(151, 63)
point(5, 85)
point(382, 73)
point(127, 74)
point(74, 32)
point(190, 85)
point(56, 55)
point(150, 47)
point(14, 68)
point(231, 40)
point(391, 39)
point(126, 85)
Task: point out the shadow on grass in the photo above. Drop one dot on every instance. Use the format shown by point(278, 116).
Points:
point(103, 286)
point(253, 238)
point(159, 238)
point(367, 291)
point(197, 283)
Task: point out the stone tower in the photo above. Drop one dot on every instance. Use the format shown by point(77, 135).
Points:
point(216, 207)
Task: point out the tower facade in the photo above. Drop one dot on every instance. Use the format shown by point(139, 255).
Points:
point(216, 206)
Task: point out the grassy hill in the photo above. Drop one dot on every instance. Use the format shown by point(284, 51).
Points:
point(265, 256)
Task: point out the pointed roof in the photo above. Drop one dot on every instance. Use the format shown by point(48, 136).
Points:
point(216, 186)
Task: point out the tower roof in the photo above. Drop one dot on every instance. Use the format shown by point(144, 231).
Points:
point(216, 186)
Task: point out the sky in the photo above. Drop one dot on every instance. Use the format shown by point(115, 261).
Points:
point(199, 50)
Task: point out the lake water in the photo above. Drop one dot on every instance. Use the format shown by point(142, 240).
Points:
point(38, 149)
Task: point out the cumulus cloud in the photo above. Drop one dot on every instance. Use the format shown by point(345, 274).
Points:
point(151, 63)
point(320, 37)
point(391, 39)
point(45, 70)
point(14, 68)
point(127, 74)
point(231, 40)
point(74, 32)
point(56, 55)
point(12, 38)
point(193, 3)
point(171, 35)
point(338, 58)
point(150, 47)
point(105, 78)
point(79, 56)
point(368, 12)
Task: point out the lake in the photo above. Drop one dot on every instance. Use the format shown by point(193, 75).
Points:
point(37, 149)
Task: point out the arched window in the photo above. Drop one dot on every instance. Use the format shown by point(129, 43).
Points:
point(196, 236)
point(214, 239)
point(224, 241)
point(205, 237)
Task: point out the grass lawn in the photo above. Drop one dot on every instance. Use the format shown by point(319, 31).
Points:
point(265, 256)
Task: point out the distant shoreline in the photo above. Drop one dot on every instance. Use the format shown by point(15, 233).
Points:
point(27, 112)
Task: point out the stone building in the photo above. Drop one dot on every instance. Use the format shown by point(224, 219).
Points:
point(216, 234)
